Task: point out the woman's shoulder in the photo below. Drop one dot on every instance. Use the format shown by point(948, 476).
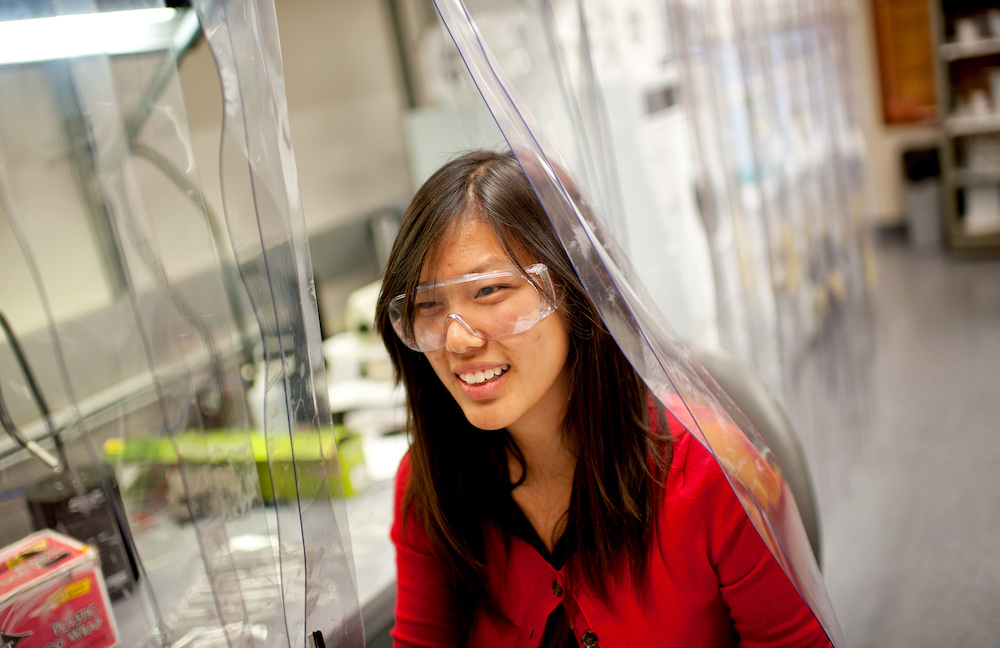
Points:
point(402, 503)
point(403, 473)
point(406, 524)
point(693, 467)
point(697, 494)
point(699, 509)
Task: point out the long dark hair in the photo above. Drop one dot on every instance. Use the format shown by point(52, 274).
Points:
point(459, 481)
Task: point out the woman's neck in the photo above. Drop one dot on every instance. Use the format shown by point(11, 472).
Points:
point(539, 437)
point(544, 488)
point(547, 459)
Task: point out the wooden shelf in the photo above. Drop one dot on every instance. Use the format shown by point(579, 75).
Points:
point(962, 68)
point(974, 177)
point(962, 125)
point(983, 244)
point(983, 47)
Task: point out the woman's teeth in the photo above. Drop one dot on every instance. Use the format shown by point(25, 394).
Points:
point(477, 377)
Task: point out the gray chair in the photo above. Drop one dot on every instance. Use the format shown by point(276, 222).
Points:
point(751, 395)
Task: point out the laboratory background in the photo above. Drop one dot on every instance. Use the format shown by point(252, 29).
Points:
point(201, 428)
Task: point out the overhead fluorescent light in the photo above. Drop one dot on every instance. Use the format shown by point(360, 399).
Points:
point(107, 32)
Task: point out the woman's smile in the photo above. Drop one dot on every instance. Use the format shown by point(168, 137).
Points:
point(482, 384)
point(477, 376)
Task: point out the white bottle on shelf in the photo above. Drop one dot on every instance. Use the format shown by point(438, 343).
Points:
point(266, 399)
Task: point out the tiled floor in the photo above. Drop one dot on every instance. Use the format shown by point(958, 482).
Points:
point(912, 548)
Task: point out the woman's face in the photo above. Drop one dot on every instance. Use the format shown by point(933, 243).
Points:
point(529, 391)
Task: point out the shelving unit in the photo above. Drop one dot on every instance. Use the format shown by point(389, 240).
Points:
point(971, 125)
point(956, 51)
point(967, 45)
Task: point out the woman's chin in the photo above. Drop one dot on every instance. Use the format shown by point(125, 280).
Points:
point(486, 421)
point(485, 425)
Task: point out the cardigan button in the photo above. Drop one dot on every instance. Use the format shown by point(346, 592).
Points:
point(589, 639)
point(557, 588)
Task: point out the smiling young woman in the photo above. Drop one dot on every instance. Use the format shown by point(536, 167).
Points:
point(544, 501)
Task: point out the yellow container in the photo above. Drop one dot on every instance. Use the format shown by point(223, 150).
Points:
point(314, 453)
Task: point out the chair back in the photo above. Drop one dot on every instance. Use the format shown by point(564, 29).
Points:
point(751, 395)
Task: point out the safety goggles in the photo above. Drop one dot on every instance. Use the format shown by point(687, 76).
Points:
point(490, 305)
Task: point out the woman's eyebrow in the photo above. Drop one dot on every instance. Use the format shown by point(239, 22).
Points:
point(491, 264)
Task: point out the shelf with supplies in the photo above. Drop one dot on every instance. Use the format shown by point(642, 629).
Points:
point(965, 125)
point(967, 78)
point(975, 243)
point(956, 51)
point(964, 177)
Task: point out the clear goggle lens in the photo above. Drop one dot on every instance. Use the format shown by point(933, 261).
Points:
point(490, 305)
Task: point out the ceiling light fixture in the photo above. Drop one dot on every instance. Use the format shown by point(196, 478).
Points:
point(107, 32)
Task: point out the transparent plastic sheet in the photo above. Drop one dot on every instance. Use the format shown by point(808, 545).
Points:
point(844, 373)
point(718, 204)
point(797, 283)
point(821, 360)
point(850, 140)
point(801, 298)
point(830, 233)
point(138, 332)
point(793, 86)
point(778, 194)
point(267, 231)
point(558, 81)
point(739, 96)
point(849, 278)
point(612, 109)
point(849, 150)
point(731, 206)
point(632, 84)
point(679, 381)
point(582, 96)
point(148, 350)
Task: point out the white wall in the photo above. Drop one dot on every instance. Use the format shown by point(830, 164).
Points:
point(345, 105)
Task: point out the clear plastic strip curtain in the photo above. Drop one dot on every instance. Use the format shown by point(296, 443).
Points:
point(772, 114)
point(238, 531)
point(777, 163)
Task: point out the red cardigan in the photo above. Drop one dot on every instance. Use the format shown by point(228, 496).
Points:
point(712, 581)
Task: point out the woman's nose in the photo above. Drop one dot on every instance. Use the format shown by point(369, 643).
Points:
point(459, 336)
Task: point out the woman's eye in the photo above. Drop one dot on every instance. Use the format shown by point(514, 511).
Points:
point(490, 291)
point(423, 309)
